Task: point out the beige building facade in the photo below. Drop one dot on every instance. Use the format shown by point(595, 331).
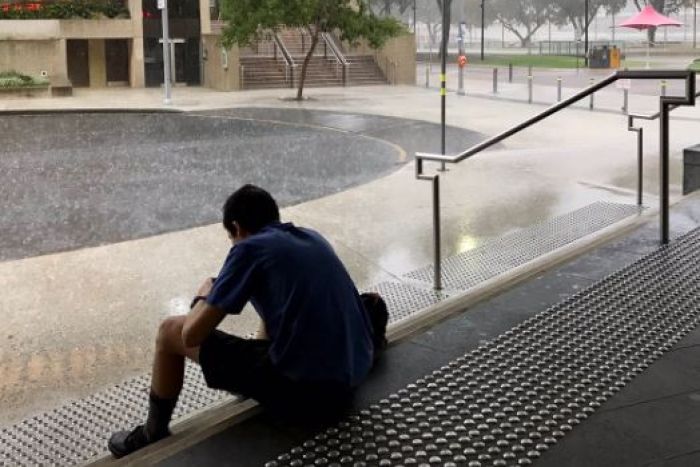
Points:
point(129, 52)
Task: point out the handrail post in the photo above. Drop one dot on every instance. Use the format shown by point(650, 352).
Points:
point(592, 103)
point(640, 157)
point(559, 89)
point(436, 233)
point(529, 89)
point(664, 174)
point(495, 80)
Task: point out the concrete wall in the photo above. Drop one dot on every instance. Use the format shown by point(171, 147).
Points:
point(397, 59)
point(216, 74)
point(34, 29)
point(33, 57)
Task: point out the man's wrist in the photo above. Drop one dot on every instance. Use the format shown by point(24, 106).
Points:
point(196, 300)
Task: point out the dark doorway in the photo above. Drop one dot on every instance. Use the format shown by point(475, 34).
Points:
point(117, 58)
point(78, 63)
point(185, 37)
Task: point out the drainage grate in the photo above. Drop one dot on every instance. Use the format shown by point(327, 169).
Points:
point(77, 432)
point(463, 271)
point(510, 399)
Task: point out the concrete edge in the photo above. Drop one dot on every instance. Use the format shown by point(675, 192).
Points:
point(216, 418)
point(106, 110)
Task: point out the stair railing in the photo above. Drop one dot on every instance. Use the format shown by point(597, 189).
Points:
point(338, 54)
point(640, 144)
point(290, 66)
point(667, 103)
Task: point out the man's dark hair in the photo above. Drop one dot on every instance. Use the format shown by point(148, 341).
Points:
point(252, 207)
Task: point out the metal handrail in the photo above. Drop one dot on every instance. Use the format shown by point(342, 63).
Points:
point(289, 61)
point(335, 50)
point(666, 102)
point(640, 144)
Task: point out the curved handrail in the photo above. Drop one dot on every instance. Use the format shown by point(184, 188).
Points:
point(635, 74)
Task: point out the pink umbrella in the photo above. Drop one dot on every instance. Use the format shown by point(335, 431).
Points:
point(646, 19)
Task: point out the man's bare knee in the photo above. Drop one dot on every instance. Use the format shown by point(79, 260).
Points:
point(170, 335)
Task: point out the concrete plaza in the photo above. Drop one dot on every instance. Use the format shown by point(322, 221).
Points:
point(72, 328)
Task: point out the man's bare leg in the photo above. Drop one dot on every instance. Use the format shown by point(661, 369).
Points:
point(169, 360)
point(166, 384)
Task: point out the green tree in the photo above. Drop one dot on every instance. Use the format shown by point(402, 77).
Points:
point(523, 17)
point(246, 20)
point(572, 12)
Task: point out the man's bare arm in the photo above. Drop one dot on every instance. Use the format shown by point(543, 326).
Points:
point(200, 322)
point(202, 319)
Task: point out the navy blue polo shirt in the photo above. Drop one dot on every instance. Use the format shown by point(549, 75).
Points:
point(314, 317)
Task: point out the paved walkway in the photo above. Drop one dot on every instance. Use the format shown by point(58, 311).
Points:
point(504, 383)
point(78, 321)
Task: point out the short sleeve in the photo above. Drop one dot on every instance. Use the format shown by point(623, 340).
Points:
point(234, 284)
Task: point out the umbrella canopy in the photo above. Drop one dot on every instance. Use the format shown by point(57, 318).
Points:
point(648, 18)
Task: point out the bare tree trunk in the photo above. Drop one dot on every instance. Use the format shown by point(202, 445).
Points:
point(307, 59)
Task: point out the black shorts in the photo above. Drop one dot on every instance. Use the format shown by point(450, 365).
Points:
point(243, 366)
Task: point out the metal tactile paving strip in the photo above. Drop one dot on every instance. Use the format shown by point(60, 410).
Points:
point(78, 431)
point(509, 400)
point(465, 270)
point(403, 300)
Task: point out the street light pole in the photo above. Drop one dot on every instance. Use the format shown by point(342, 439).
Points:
point(163, 5)
point(414, 16)
point(446, 5)
point(585, 25)
point(695, 24)
point(483, 16)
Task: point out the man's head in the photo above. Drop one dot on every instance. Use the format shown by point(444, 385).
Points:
point(248, 210)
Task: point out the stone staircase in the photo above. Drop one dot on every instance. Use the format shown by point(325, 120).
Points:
point(261, 68)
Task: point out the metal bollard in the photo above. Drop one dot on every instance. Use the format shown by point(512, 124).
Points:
point(559, 89)
point(510, 72)
point(495, 80)
point(427, 77)
point(529, 89)
point(625, 102)
point(592, 103)
point(664, 84)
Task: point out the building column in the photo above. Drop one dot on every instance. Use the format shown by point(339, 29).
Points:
point(205, 16)
point(137, 70)
point(59, 65)
point(97, 63)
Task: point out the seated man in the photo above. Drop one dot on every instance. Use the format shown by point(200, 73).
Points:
point(320, 342)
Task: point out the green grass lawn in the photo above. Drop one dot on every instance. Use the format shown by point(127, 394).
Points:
point(536, 61)
point(695, 66)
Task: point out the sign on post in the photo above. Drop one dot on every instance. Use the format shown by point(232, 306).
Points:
point(161, 4)
point(625, 84)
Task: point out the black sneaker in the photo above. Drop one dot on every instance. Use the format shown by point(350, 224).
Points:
point(123, 443)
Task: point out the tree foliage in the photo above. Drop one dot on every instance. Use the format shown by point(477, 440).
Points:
point(572, 12)
point(523, 17)
point(247, 20)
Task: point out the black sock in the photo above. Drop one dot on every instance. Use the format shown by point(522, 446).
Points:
point(159, 413)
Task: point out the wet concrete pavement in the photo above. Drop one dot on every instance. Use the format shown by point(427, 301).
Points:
point(78, 321)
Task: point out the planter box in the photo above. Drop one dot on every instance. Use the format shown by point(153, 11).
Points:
point(28, 91)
